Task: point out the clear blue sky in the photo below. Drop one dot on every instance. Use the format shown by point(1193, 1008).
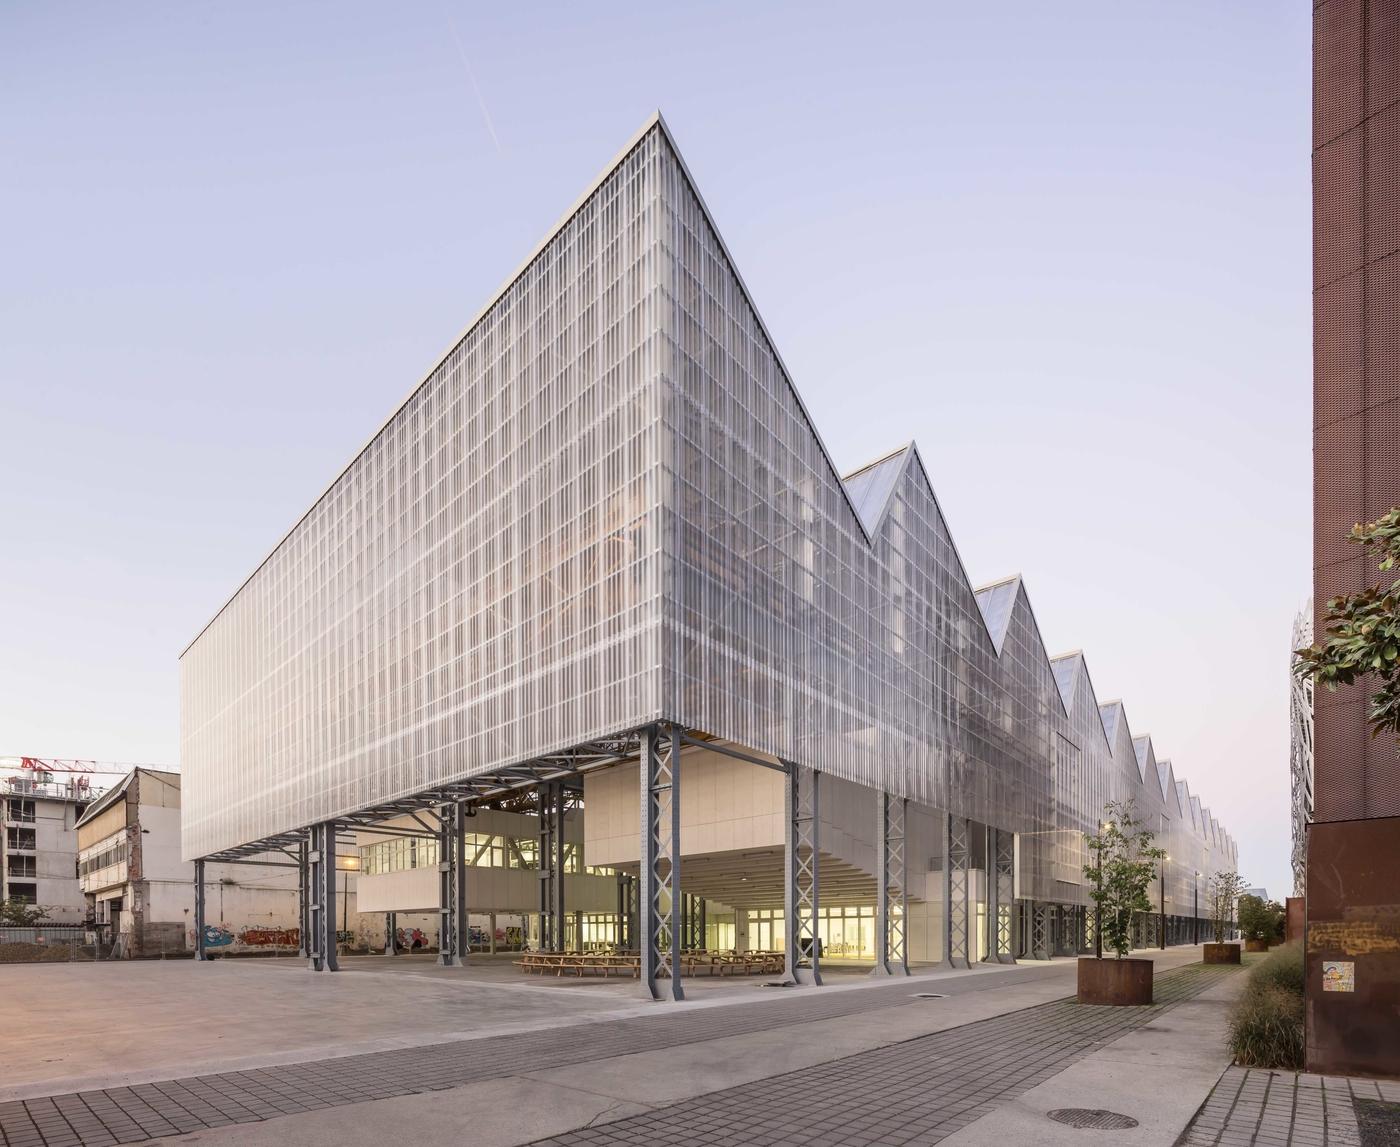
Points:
point(1065, 248)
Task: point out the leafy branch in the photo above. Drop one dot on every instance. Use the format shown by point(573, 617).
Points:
point(1361, 635)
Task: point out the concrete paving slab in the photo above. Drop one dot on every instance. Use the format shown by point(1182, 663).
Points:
point(498, 1113)
point(1159, 1075)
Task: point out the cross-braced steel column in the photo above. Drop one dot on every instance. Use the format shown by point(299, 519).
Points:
point(200, 950)
point(453, 938)
point(956, 925)
point(320, 941)
point(1005, 877)
point(659, 894)
point(989, 873)
point(303, 899)
point(891, 897)
point(802, 886)
point(1040, 931)
point(391, 934)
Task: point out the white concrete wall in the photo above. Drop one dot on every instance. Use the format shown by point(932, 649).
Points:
point(488, 890)
point(726, 804)
point(501, 890)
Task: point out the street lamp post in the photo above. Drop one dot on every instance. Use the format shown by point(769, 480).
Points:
point(1162, 900)
point(1196, 908)
point(1098, 901)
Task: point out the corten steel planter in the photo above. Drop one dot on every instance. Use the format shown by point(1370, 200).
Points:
point(1256, 945)
point(1222, 953)
point(1116, 982)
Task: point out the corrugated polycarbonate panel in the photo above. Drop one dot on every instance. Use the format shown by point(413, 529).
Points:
point(788, 631)
point(482, 584)
point(869, 488)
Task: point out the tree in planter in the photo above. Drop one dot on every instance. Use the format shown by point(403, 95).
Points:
point(1260, 919)
point(1124, 865)
point(21, 914)
point(1225, 889)
point(1361, 632)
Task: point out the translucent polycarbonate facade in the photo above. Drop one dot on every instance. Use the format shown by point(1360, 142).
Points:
point(1300, 751)
point(832, 622)
point(608, 506)
point(482, 583)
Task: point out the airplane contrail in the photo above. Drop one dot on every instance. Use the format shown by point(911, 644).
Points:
point(471, 76)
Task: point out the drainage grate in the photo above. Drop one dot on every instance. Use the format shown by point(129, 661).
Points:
point(1093, 1117)
point(929, 996)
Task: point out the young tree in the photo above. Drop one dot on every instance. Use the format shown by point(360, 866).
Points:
point(21, 914)
point(1260, 919)
point(1125, 863)
point(1361, 633)
point(1225, 888)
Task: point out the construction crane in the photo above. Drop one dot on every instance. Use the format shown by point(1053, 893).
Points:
point(43, 769)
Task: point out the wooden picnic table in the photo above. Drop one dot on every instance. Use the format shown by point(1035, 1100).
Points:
point(692, 963)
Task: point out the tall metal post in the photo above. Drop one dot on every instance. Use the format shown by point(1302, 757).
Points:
point(303, 898)
point(391, 934)
point(552, 805)
point(1162, 901)
point(321, 898)
point(955, 892)
point(1040, 931)
point(989, 919)
point(659, 892)
point(1196, 910)
point(891, 896)
point(557, 866)
point(1005, 844)
point(802, 869)
point(453, 937)
point(200, 948)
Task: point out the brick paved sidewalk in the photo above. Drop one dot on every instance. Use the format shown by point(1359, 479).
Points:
point(150, 1110)
point(916, 1092)
point(144, 1111)
point(1262, 1108)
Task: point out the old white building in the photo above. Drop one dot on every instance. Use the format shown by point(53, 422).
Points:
point(131, 874)
point(39, 847)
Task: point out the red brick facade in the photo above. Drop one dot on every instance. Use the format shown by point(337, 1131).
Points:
point(1353, 879)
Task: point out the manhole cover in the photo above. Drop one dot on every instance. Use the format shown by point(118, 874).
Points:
point(1093, 1117)
point(929, 996)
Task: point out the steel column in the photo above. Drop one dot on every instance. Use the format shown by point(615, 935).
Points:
point(552, 805)
point(200, 948)
point(1040, 931)
point(659, 894)
point(891, 896)
point(303, 899)
point(320, 948)
point(391, 934)
point(453, 936)
point(957, 925)
point(802, 871)
point(1005, 876)
point(989, 876)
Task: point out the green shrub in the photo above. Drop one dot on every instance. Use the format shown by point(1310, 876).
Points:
point(1266, 1028)
point(1266, 1023)
point(1281, 968)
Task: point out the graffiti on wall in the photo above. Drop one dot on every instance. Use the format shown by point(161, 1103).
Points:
point(217, 936)
point(270, 937)
point(412, 938)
